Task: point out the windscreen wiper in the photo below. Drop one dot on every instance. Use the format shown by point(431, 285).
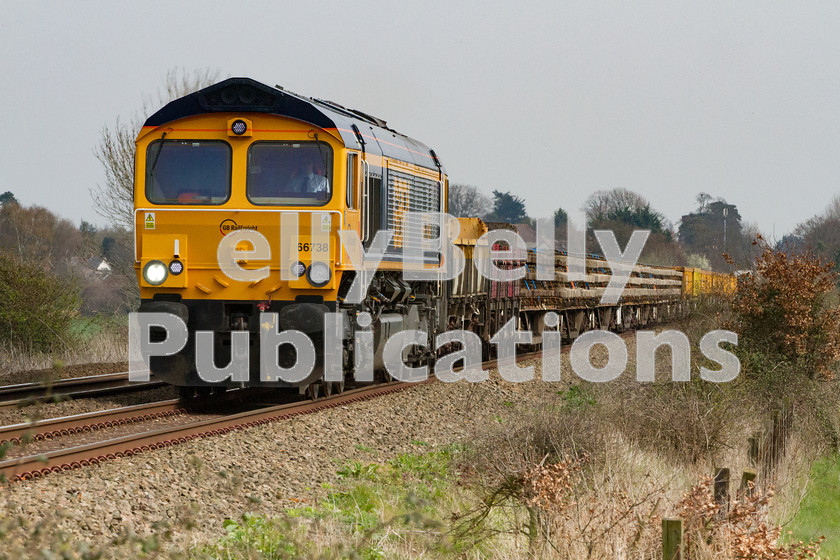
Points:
point(323, 156)
point(157, 155)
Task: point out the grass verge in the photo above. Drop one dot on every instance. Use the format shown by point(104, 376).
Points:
point(819, 513)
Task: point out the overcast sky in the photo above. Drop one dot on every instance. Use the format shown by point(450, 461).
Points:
point(549, 100)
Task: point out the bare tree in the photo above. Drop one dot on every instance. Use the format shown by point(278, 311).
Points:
point(703, 200)
point(602, 205)
point(35, 235)
point(178, 83)
point(114, 199)
point(466, 201)
point(822, 233)
point(605, 209)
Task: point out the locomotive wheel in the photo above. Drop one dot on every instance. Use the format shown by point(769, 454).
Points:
point(333, 388)
point(186, 394)
point(313, 391)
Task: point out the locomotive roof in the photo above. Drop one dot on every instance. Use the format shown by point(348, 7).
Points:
point(244, 95)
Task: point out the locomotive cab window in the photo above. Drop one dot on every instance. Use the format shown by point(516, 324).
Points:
point(352, 180)
point(188, 172)
point(289, 174)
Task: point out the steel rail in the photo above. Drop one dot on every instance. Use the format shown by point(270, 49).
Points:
point(90, 421)
point(14, 396)
point(49, 428)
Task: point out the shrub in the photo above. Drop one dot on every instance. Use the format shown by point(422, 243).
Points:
point(37, 308)
point(742, 527)
point(783, 311)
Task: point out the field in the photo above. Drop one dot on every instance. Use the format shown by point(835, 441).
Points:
point(819, 514)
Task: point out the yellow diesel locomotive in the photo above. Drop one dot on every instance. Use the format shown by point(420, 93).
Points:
point(240, 155)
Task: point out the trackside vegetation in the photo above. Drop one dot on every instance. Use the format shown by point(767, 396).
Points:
point(817, 515)
point(38, 308)
point(592, 473)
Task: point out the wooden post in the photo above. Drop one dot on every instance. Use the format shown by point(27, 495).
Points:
point(533, 531)
point(782, 419)
point(673, 547)
point(747, 477)
point(753, 449)
point(722, 490)
point(774, 452)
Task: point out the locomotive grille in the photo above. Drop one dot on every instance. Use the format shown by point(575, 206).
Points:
point(407, 193)
point(238, 97)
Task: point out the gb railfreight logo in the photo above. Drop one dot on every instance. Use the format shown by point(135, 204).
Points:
point(229, 225)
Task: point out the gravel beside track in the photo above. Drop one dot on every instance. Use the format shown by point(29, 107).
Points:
point(260, 470)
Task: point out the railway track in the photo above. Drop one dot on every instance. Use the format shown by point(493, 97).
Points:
point(88, 422)
point(51, 428)
point(41, 464)
point(16, 396)
point(37, 465)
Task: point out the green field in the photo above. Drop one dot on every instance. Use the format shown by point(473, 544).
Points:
point(820, 511)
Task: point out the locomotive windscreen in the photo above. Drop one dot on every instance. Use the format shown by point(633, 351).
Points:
point(188, 172)
point(289, 174)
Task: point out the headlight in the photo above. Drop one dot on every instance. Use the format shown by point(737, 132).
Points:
point(239, 127)
point(318, 274)
point(298, 269)
point(155, 273)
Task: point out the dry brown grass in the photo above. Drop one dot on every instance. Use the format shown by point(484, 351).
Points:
point(109, 345)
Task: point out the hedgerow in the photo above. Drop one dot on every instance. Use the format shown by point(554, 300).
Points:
point(36, 308)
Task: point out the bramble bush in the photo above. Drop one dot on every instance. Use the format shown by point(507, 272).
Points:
point(742, 528)
point(36, 308)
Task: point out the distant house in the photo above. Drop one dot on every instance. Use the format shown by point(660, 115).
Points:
point(99, 266)
point(528, 235)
